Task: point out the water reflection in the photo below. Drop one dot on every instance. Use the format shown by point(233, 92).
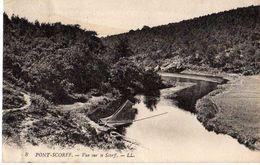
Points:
point(179, 137)
point(151, 102)
point(184, 138)
point(186, 98)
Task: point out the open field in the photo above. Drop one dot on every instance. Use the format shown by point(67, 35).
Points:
point(234, 109)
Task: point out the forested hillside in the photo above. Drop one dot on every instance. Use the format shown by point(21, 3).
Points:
point(228, 41)
point(56, 78)
point(58, 61)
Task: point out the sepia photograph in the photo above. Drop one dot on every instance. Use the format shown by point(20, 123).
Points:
point(131, 81)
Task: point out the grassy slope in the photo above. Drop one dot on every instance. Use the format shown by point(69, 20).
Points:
point(234, 109)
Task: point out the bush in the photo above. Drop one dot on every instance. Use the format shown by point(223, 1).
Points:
point(39, 102)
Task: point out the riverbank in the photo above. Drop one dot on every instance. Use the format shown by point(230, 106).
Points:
point(233, 109)
point(184, 138)
point(230, 109)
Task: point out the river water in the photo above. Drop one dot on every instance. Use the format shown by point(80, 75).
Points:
point(178, 136)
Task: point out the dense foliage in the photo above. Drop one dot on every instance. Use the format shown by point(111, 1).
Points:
point(57, 61)
point(228, 41)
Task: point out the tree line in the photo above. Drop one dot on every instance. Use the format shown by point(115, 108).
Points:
point(228, 41)
point(58, 61)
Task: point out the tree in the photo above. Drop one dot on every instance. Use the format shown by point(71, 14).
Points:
point(123, 49)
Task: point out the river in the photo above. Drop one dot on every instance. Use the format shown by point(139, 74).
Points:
point(178, 136)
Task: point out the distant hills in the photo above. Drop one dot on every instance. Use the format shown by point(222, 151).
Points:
point(228, 41)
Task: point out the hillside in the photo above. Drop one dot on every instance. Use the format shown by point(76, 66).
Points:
point(228, 41)
point(48, 67)
point(58, 61)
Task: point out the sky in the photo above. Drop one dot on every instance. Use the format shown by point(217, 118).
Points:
point(109, 17)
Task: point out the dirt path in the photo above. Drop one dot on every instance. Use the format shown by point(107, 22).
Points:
point(27, 122)
point(215, 79)
point(27, 99)
point(93, 101)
